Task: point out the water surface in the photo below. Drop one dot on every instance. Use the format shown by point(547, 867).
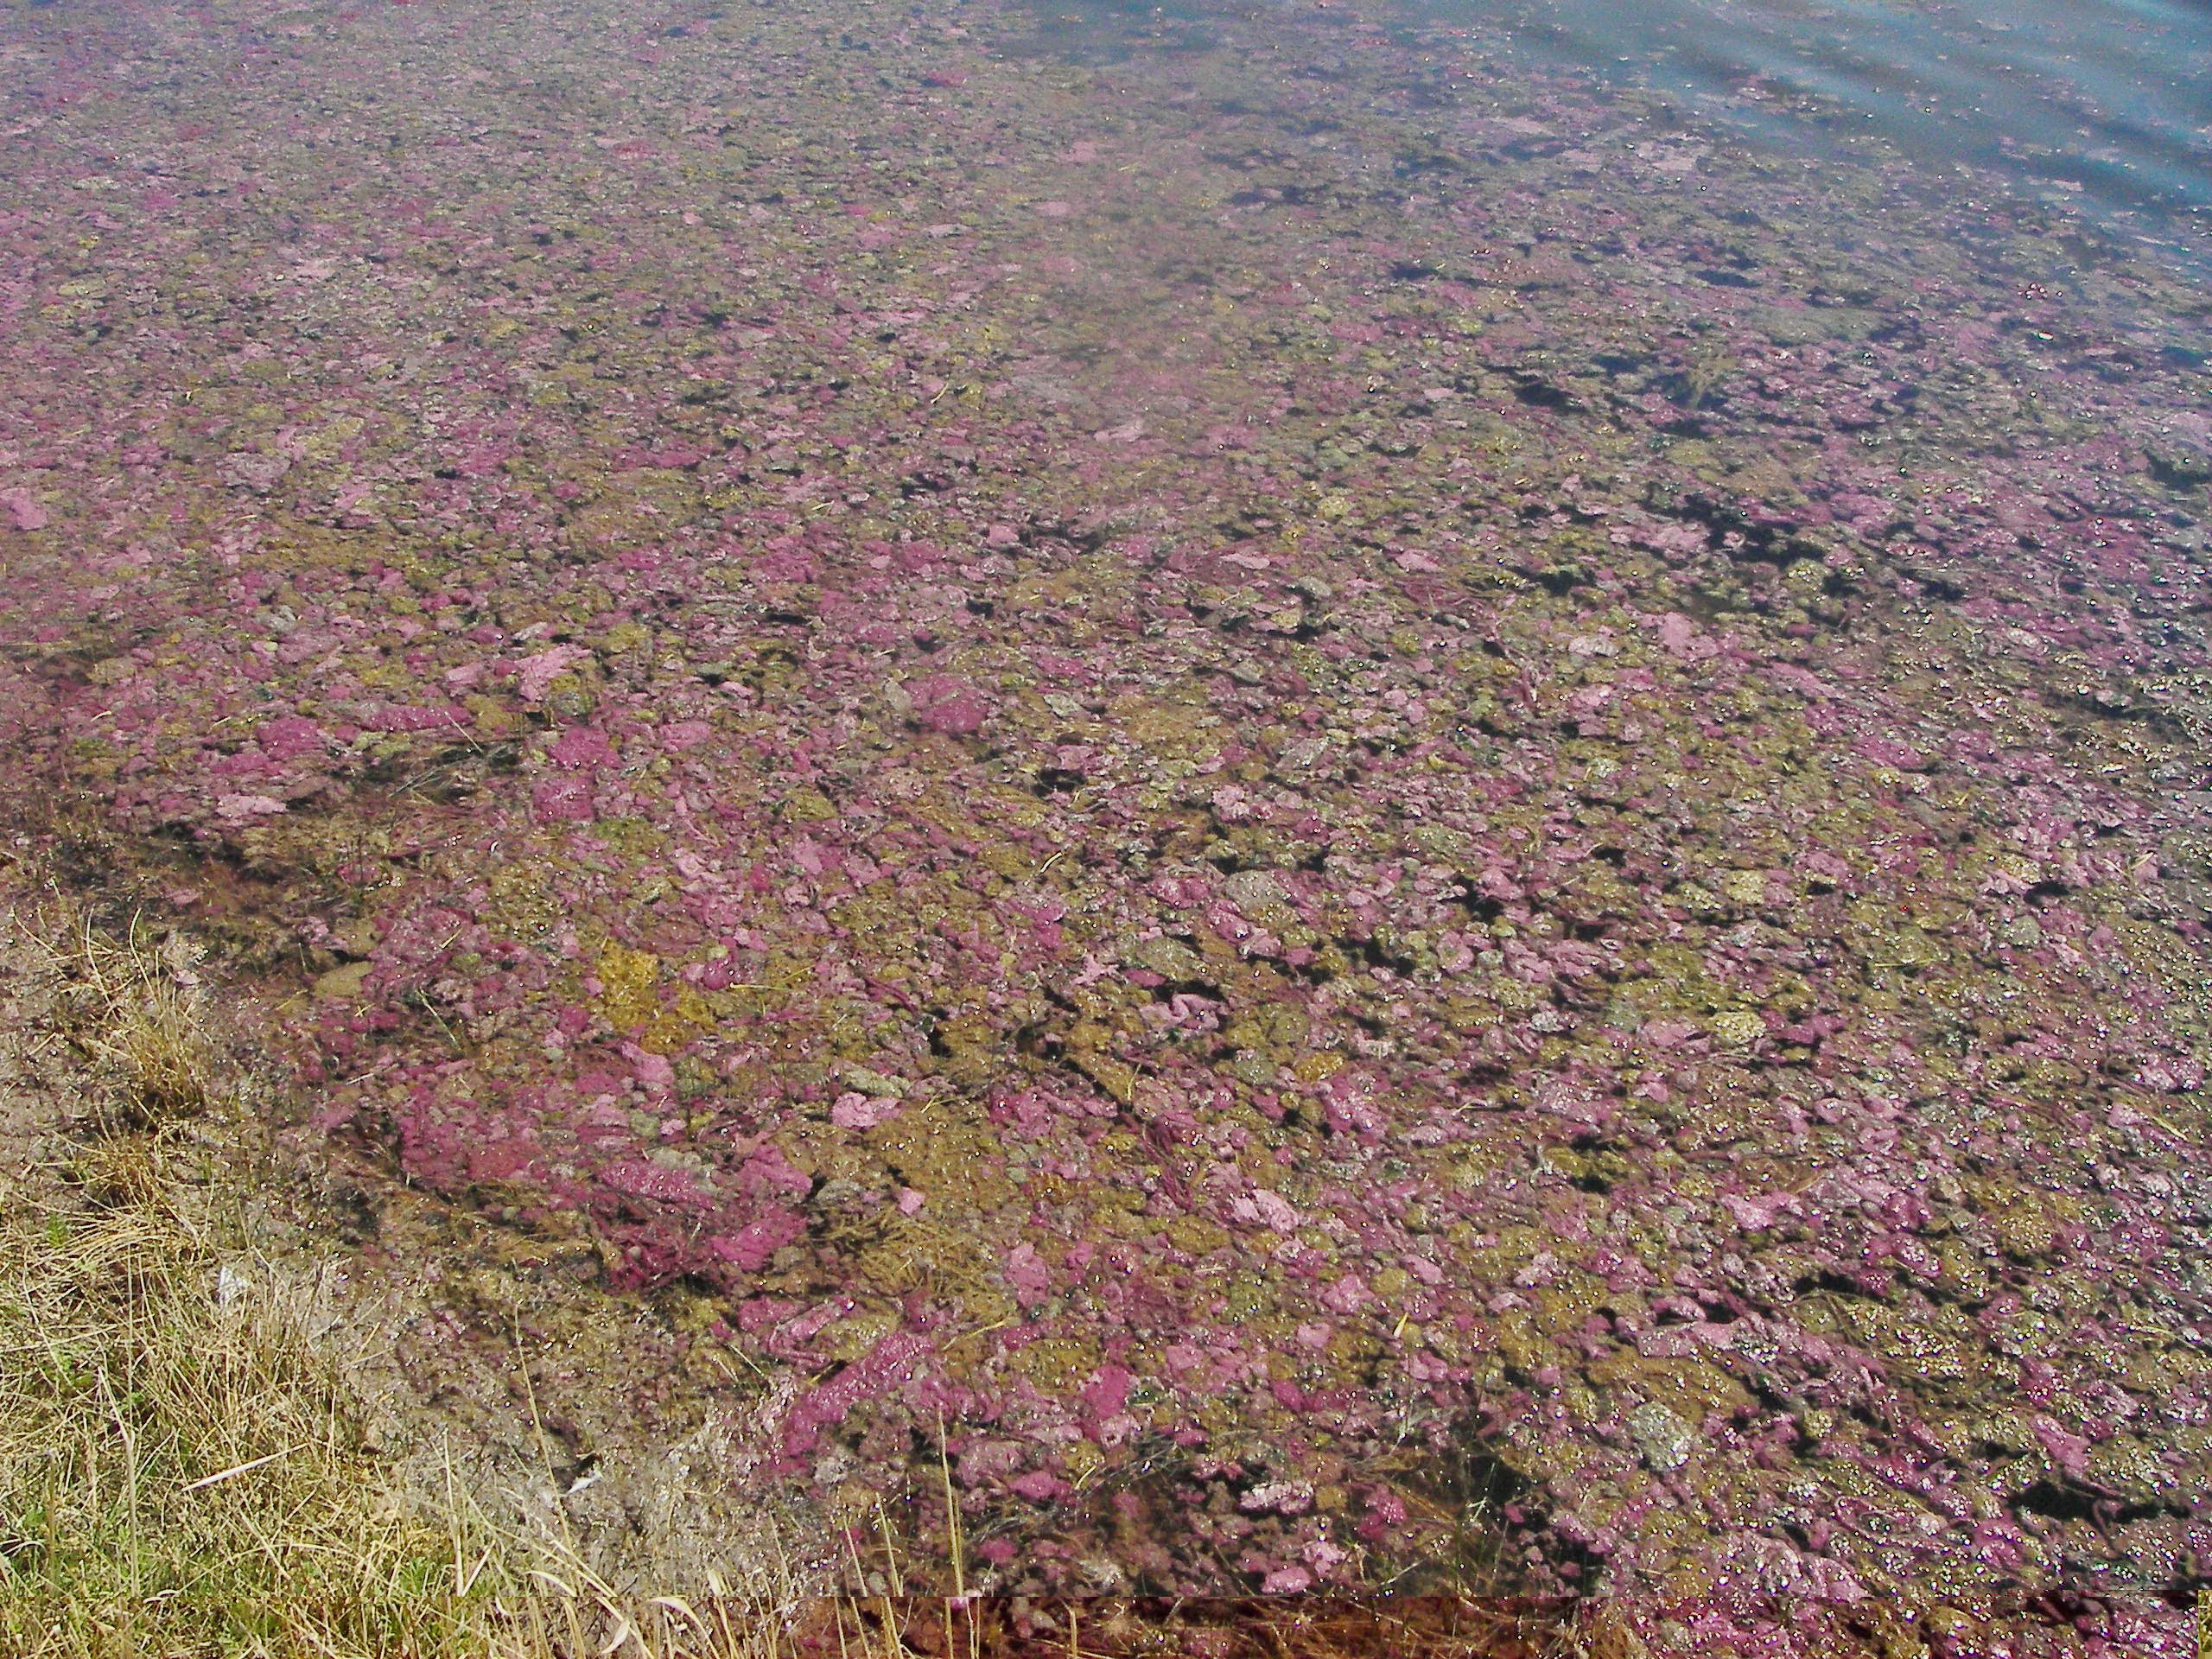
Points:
point(2112, 98)
point(2106, 102)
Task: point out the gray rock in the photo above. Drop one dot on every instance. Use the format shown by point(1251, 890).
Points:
point(1663, 1439)
point(1249, 890)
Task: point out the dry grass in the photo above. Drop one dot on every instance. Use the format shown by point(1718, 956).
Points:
point(134, 1011)
point(183, 1465)
point(178, 1471)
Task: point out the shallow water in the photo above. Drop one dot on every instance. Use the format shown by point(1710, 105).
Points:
point(2110, 98)
point(1415, 808)
point(2108, 103)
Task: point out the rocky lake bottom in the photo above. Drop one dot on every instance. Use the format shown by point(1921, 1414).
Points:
point(1367, 819)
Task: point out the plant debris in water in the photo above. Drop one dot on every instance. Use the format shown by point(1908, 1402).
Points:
point(1265, 772)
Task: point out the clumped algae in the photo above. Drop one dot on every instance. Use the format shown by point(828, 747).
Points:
point(1236, 803)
